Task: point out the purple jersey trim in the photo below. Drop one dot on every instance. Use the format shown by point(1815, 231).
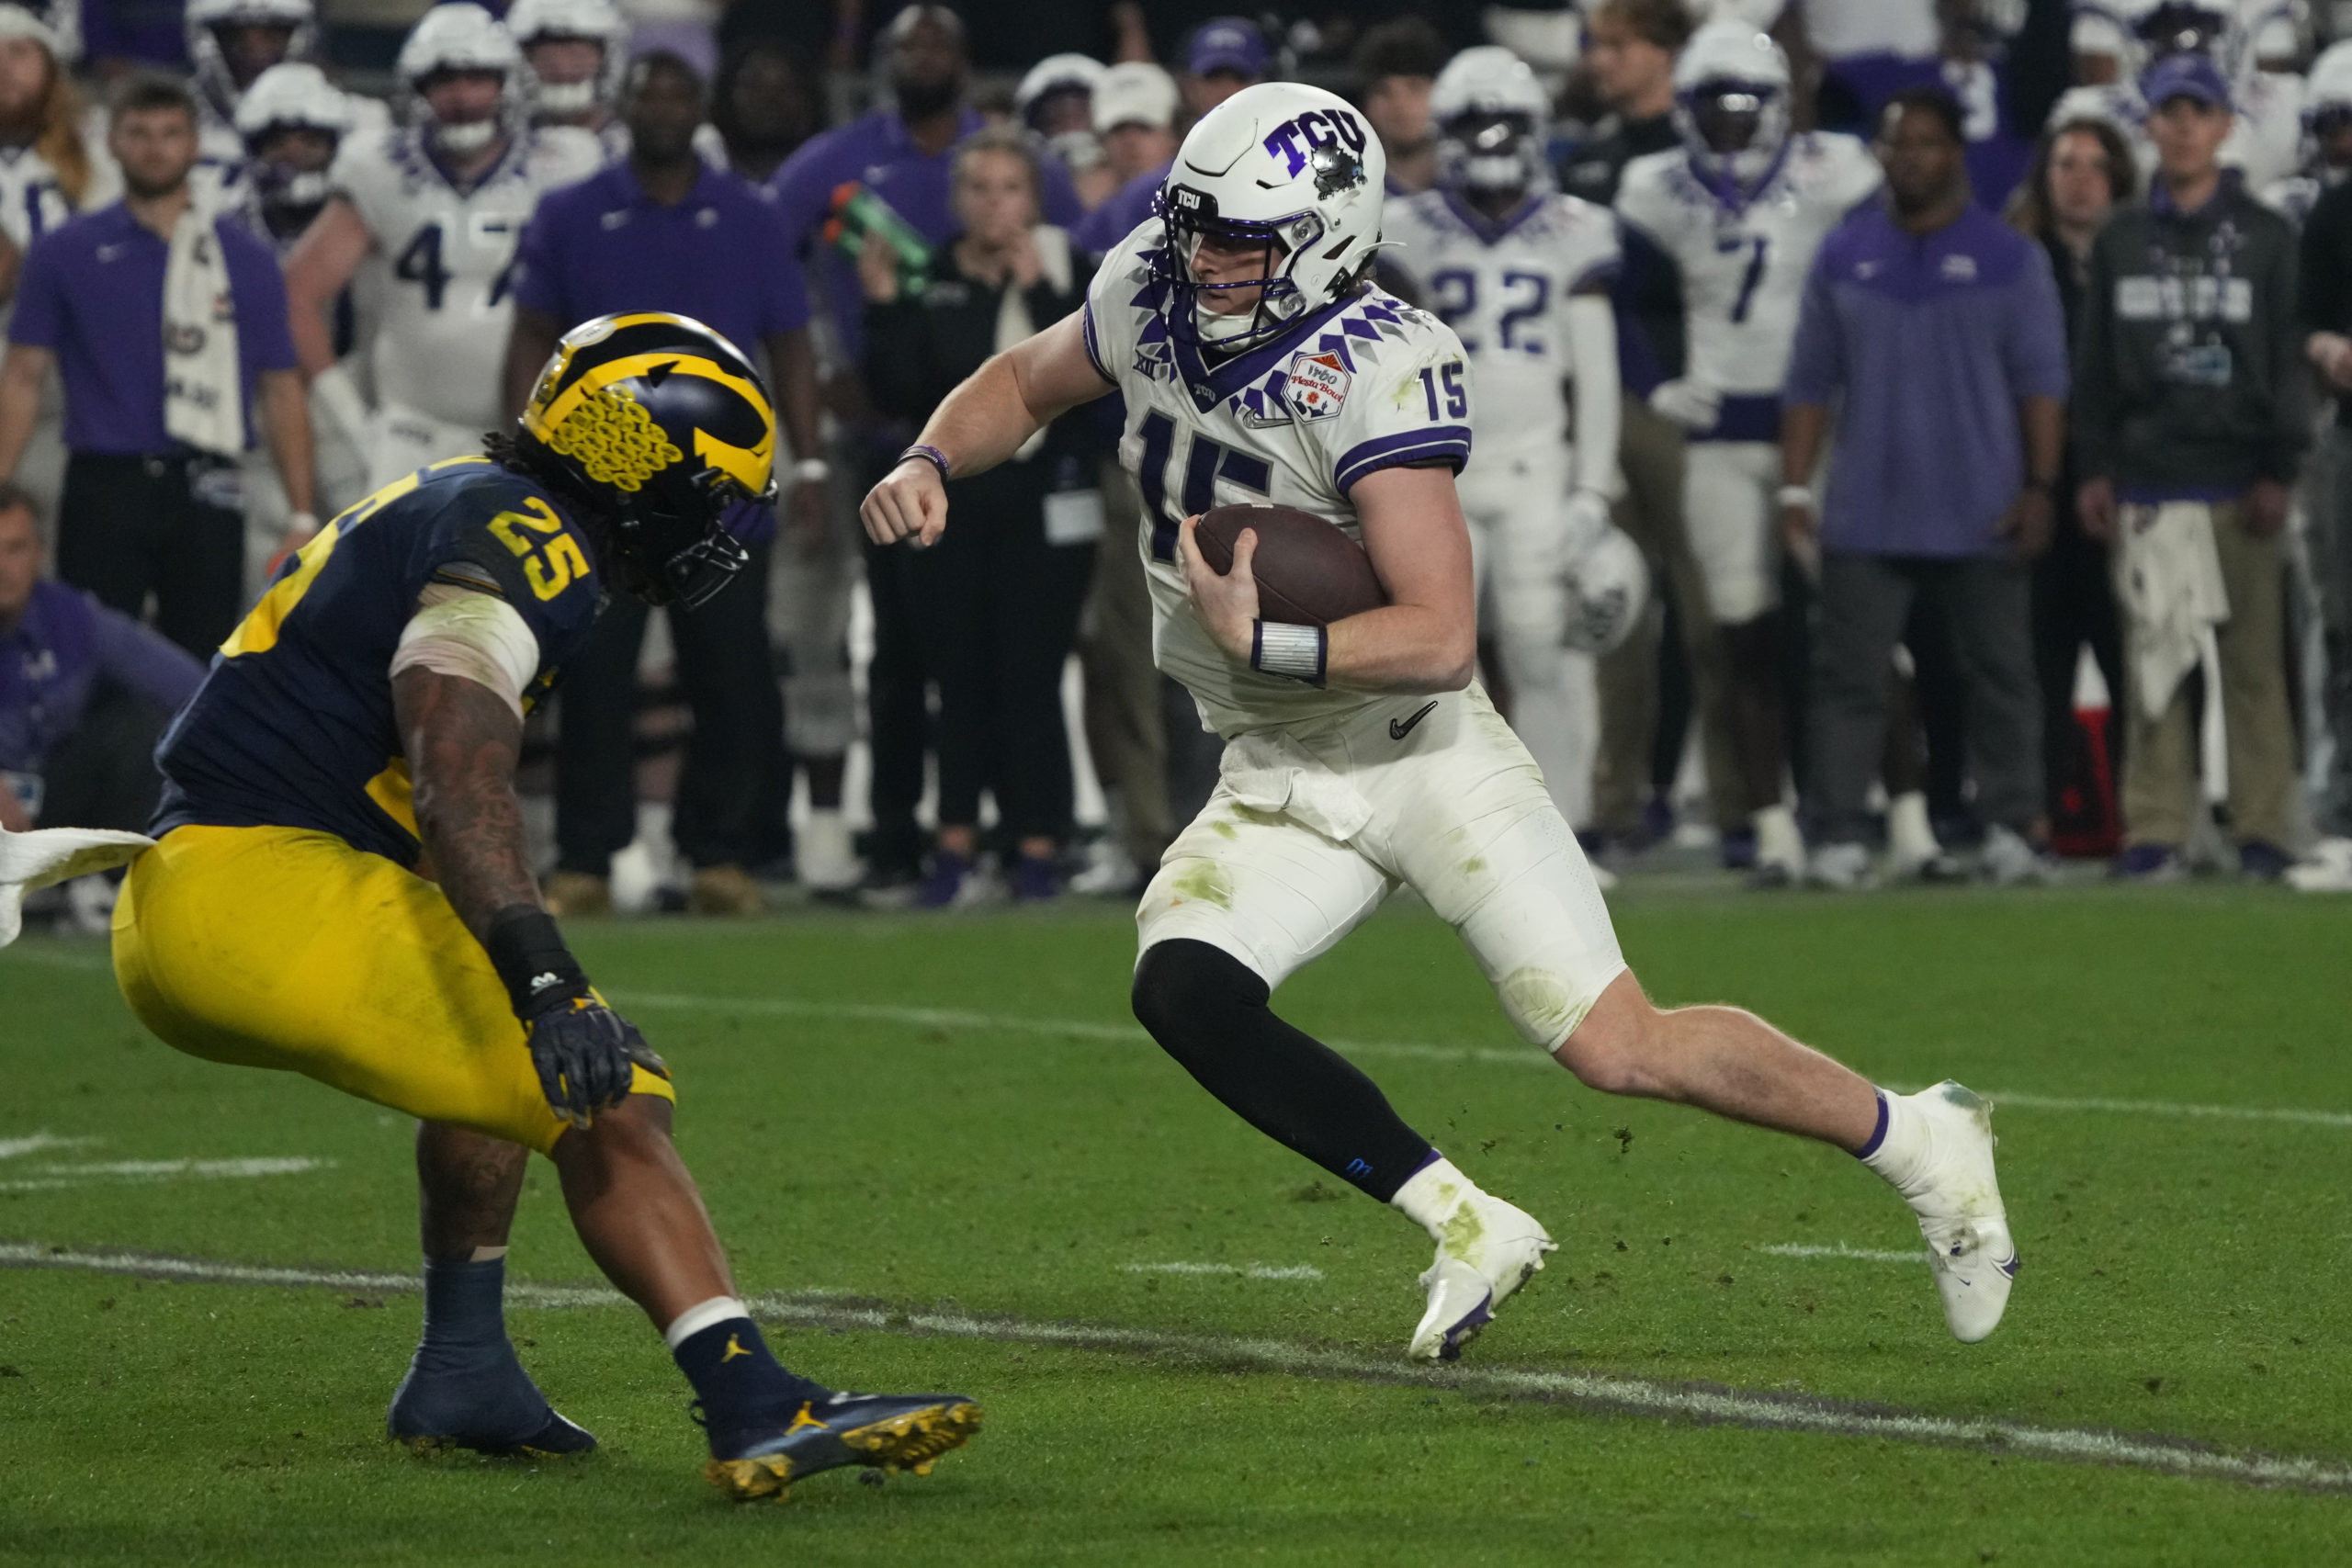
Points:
point(1449, 442)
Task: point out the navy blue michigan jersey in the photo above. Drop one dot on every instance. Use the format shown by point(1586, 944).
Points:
point(293, 726)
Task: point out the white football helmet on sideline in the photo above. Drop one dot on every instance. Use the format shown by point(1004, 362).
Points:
point(1490, 113)
point(589, 21)
point(218, 70)
point(1731, 106)
point(56, 27)
point(1289, 167)
point(1056, 74)
point(461, 37)
point(294, 95)
point(1608, 590)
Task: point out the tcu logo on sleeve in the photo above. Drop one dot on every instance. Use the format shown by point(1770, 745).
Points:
point(1295, 141)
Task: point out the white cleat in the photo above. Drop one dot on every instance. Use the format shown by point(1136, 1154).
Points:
point(1958, 1200)
point(1490, 1250)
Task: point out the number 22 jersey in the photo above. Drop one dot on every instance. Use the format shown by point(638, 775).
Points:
point(1352, 387)
point(293, 726)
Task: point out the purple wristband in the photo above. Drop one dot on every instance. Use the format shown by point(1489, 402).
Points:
point(931, 455)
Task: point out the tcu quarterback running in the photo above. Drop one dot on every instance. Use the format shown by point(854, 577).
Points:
point(1258, 365)
point(1521, 274)
point(1740, 210)
point(437, 210)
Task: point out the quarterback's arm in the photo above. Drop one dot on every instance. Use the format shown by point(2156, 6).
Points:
point(981, 424)
point(324, 258)
point(1424, 639)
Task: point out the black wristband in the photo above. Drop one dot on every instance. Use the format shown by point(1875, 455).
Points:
point(528, 954)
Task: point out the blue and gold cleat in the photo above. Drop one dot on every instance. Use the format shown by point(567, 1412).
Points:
point(886, 1432)
point(499, 1412)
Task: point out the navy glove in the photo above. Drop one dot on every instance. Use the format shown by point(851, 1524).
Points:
point(584, 1052)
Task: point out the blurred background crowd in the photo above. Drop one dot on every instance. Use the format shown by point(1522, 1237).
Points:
point(1930, 588)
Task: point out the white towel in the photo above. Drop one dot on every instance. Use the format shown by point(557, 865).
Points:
point(2168, 577)
point(1012, 323)
point(31, 862)
point(204, 403)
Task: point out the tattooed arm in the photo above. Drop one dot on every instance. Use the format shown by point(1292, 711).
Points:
point(462, 741)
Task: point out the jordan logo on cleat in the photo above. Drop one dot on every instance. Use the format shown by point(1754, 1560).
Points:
point(734, 1348)
point(1400, 727)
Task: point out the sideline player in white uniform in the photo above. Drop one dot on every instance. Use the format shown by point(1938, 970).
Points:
point(1522, 275)
point(1740, 209)
point(574, 54)
point(1258, 365)
point(2256, 43)
point(435, 210)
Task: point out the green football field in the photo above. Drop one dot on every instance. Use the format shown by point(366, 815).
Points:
point(945, 1157)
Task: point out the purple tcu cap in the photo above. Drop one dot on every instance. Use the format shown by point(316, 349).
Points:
point(2184, 76)
point(1227, 43)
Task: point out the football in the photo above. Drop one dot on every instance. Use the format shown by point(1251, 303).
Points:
point(1308, 573)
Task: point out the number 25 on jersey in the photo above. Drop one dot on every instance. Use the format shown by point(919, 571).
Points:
point(551, 558)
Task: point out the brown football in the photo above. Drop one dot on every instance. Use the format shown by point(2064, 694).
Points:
point(1308, 573)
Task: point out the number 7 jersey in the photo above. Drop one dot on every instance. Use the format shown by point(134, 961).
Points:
point(443, 261)
point(1351, 388)
point(1744, 268)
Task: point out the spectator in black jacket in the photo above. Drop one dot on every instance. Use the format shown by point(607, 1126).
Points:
point(999, 601)
point(2189, 424)
point(2326, 314)
point(2082, 170)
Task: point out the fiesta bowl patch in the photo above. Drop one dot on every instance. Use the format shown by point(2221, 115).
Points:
point(1315, 385)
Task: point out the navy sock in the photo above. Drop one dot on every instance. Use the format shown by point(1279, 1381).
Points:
point(739, 1379)
point(465, 1314)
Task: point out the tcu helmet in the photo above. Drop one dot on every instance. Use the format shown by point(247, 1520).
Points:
point(2327, 102)
point(1050, 78)
point(461, 37)
point(589, 21)
point(215, 73)
point(1490, 112)
point(655, 425)
point(1608, 589)
point(294, 95)
point(1731, 106)
point(56, 27)
point(1291, 170)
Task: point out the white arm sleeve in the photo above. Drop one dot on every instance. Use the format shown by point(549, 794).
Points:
point(476, 636)
point(1592, 359)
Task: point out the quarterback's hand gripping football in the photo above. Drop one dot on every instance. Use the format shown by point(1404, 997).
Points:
point(1227, 602)
point(909, 504)
point(585, 1054)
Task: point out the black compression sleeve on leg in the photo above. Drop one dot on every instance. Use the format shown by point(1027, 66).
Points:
point(1209, 1011)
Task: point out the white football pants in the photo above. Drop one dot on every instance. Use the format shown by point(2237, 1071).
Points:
point(1728, 490)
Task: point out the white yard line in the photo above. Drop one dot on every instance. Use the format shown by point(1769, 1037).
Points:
point(48, 1178)
point(1127, 1034)
point(1586, 1390)
point(1247, 1270)
point(33, 1142)
point(1857, 1254)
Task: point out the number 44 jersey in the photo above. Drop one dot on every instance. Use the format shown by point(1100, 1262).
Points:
point(443, 259)
point(1348, 388)
point(1743, 264)
point(293, 726)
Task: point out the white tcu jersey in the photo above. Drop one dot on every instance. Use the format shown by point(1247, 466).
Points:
point(32, 202)
point(1354, 387)
point(443, 261)
point(1744, 268)
point(1504, 289)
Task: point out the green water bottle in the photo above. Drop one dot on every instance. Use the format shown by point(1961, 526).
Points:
point(857, 211)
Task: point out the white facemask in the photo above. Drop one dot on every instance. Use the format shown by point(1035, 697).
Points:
point(567, 97)
point(467, 137)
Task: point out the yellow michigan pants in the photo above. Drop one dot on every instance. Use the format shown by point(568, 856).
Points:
point(282, 947)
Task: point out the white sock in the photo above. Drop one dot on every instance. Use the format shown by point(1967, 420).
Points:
point(1909, 836)
point(699, 1316)
point(1903, 1148)
point(1430, 1195)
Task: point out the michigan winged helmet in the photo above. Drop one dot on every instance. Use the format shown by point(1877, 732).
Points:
point(657, 426)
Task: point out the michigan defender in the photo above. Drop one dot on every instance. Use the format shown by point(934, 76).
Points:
point(340, 886)
point(434, 212)
point(1522, 275)
point(1256, 365)
point(1740, 210)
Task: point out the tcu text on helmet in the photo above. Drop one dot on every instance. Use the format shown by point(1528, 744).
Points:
point(1295, 139)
